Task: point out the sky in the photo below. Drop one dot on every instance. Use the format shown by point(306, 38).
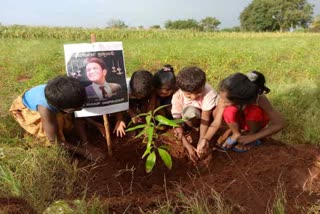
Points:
point(97, 13)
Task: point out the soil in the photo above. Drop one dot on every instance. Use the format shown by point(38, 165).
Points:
point(15, 205)
point(249, 181)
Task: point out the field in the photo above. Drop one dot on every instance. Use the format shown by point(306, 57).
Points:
point(42, 176)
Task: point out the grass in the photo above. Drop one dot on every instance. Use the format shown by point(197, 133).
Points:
point(290, 62)
point(279, 202)
point(94, 206)
point(38, 175)
point(188, 202)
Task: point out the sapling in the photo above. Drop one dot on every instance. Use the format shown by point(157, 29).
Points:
point(150, 129)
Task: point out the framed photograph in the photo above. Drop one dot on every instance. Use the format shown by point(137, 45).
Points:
point(100, 68)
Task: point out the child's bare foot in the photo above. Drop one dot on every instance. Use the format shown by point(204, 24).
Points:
point(224, 137)
point(228, 144)
point(240, 147)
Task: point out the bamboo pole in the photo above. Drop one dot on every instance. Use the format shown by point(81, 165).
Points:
point(105, 117)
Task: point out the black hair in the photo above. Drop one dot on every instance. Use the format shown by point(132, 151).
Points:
point(165, 76)
point(258, 78)
point(141, 83)
point(65, 93)
point(191, 79)
point(240, 90)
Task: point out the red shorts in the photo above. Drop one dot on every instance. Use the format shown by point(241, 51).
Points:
point(232, 114)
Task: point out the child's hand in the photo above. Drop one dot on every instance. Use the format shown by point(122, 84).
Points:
point(191, 150)
point(202, 147)
point(178, 133)
point(120, 129)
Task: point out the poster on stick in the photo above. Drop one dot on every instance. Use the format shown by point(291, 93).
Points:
point(100, 68)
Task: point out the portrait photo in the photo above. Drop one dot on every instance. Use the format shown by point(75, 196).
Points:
point(100, 68)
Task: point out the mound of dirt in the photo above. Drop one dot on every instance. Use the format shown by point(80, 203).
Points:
point(251, 180)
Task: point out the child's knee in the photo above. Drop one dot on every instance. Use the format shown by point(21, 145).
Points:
point(189, 113)
point(230, 114)
point(253, 113)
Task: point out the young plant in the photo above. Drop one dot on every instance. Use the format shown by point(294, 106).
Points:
point(151, 132)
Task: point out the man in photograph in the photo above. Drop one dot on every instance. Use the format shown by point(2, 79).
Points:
point(99, 89)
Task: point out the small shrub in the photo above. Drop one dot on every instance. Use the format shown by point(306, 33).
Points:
point(151, 131)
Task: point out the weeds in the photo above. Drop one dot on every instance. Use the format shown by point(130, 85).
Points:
point(37, 175)
point(93, 206)
point(198, 202)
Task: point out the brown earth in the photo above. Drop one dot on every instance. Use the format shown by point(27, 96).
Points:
point(248, 180)
point(15, 205)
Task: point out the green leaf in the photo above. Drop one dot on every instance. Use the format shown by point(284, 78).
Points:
point(162, 120)
point(144, 114)
point(166, 158)
point(141, 133)
point(166, 147)
point(147, 151)
point(161, 107)
point(136, 127)
point(150, 162)
point(150, 135)
point(178, 121)
point(148, 119)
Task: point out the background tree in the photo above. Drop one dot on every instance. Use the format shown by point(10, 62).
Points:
point(231, 29)
point(272, 15)
point(155, 27)
point(116, 23)
point(183, 24)
point(210, 24)
point(315, 25)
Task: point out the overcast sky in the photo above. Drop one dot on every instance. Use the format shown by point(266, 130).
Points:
point(97, 13)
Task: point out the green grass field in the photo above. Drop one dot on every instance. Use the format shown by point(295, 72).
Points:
point(290, 62)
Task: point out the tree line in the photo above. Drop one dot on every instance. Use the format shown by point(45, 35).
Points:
point(258, 16)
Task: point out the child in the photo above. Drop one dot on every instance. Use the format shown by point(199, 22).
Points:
point(243, 106)
point(39, 110)
point(141, 99)
point(193, 102)
point(165, 85)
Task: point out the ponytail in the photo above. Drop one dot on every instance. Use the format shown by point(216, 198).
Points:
point(258, 78)
point(165, 76)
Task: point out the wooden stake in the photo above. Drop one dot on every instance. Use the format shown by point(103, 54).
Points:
point(105, 117)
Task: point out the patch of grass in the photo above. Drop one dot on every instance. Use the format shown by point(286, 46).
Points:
point(94, 206)
point(38, 175)
point(314, 209)
point(289, 62)
point(200, 202)
point(279, 203)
